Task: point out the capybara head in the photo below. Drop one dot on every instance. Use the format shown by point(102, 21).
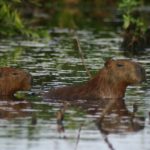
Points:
point(13, 80)
point(126, 71)
point(114, 77)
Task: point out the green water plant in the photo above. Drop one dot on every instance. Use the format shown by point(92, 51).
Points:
point(11, 22)
point(135, 31)
point(130, 15)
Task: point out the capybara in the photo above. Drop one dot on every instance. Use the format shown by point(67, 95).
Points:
point(110, 82)
point(13, 80)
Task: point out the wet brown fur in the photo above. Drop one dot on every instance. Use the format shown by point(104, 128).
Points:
point(13, 80)
point(110, 82)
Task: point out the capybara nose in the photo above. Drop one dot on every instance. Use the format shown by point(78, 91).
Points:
point(28, 82)
point(30, 79)
point(141, 73)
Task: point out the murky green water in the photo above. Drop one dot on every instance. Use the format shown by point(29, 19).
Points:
point(31, 123)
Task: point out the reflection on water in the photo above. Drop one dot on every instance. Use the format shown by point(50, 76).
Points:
point(31, 123)
point(111, 115)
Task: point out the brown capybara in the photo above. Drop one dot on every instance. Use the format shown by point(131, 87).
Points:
point(110, 82)
point(13, 80)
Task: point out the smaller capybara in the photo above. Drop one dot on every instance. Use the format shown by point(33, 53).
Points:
point(110, 82)
point(13, 80)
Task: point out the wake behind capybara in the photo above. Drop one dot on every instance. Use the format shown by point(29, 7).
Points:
point(110, 82)
point(13, 80)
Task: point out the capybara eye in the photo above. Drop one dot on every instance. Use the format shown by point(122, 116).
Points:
point(1, 75)
point(120, 65)
point(14, 73)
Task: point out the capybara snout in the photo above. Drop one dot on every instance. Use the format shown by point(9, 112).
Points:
point(13, 80)
point(27, 81)
point(141, 73)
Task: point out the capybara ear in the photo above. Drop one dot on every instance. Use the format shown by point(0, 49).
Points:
point(108, 62)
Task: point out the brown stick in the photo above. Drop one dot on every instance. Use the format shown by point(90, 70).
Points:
point(78, 137)
point(108, 142)
point(82, 57)
point(105, 111)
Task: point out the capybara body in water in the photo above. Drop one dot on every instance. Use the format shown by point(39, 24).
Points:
point(13, 80)
point(110, 82)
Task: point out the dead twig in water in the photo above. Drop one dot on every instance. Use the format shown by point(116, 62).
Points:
point(78, 137)
point(77, 45)
point(105, 111)
point(108, 142)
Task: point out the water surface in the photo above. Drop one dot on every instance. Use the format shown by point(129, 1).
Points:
point(30, 123)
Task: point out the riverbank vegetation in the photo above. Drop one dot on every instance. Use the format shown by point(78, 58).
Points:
point(33, 18)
